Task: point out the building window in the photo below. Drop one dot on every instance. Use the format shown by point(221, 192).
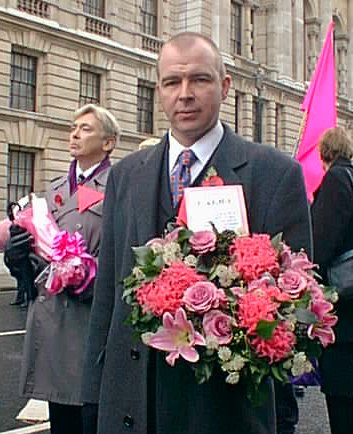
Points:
point(20, 174)
point(94, 7)
point(145, 106)
point(89, 87)
point(149, 10)
point(235, 27)
point(23, 81)
point(252, 33)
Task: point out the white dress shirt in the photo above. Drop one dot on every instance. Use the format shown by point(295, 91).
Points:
point(86, 172)
point(202, 148)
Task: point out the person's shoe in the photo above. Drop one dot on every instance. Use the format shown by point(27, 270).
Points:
point(18, 301)
point(24, 305)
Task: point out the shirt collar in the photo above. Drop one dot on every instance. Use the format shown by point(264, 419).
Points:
point(202, 148)
point(86, 172)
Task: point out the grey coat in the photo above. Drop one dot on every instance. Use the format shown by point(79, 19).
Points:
point(57, 325)
point(117, 371)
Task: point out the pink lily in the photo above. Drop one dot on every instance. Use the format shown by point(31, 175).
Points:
point(322, 329)
point(178, 337)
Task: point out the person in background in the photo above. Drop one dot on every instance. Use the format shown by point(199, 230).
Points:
point(21, 298)
point(57, 324)
point(332, 218)
point(130, 386)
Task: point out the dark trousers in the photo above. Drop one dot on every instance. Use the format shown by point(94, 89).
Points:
point(65, 419)
point(340, 413)
point(287, 412)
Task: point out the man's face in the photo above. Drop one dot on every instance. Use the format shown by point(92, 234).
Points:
point(87, 142)
point(191, 89)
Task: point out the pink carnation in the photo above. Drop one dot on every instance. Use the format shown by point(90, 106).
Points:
point(218, 325)
point(253, 307)
point(254, 256)
point(260, 304)
point(166, 291)
point(203, 242)
point(278, 347)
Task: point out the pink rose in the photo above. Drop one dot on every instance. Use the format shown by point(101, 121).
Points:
point(297, 261)
point(173, 236)
point(203, 242)
point(202, 296)
point(293, 283)
point(218, 325)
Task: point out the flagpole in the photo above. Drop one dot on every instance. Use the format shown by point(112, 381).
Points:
point(300, 134)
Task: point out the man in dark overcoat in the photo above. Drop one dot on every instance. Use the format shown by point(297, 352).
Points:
point(57, 325)
point(135, 390)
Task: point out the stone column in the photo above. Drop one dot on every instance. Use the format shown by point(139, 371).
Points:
point(350, 51)
point(270, 124)
point(341, 65)
point(312, 46)
point(247, 120)
point(247, 32)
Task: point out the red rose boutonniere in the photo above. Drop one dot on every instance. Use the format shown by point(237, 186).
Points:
point(58, 200)
point(211, 179)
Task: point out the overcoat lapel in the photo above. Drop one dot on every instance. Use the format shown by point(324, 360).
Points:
point(147, 180)
point(229, 157)
point(62, 186)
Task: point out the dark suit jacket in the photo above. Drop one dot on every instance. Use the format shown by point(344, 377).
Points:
point(332, 216)
point(276, 201)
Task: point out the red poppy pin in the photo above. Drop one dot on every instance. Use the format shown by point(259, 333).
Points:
point(58, 200)
point(211, 178)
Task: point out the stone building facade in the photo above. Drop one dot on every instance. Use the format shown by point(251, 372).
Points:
point(57, 54)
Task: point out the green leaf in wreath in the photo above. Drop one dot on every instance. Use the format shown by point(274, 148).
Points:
point(276, 241)
point(305, 316)
point(143, 255)
point(265, 329)
point(279, 373)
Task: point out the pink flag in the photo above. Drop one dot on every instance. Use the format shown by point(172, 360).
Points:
point(319, 106)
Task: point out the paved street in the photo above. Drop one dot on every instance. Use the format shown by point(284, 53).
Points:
point(12, 324)
point(313, 418)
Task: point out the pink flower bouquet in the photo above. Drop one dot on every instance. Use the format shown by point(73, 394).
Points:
point(246, 305)
point(71, 267)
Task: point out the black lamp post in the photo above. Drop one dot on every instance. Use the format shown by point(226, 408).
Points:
point(259, 78)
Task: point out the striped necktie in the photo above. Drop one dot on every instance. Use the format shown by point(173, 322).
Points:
point(181, 175)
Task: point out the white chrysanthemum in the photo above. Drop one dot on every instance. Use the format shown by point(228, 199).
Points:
point(221, 271)
point(238, 362)
point(171, 253)
point(224, 353)
point(334, 297)
point(300, 364)
point(233, 378)
point(190, 261)
point(156, 248)
point(211, 343)
point(235, 364)
point(138, 273)
point(226, 275)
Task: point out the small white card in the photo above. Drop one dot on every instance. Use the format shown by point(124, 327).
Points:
point(224, 206)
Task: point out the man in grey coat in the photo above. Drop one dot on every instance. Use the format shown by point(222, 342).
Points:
point(57, 324)
point(130, 385)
